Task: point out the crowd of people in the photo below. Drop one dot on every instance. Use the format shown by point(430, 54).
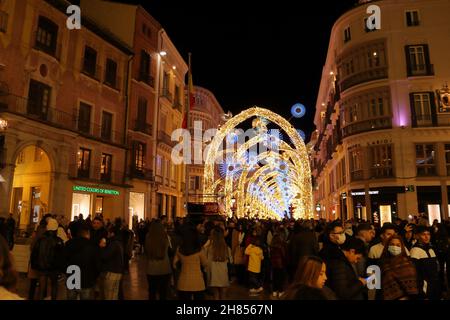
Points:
point(196, 258)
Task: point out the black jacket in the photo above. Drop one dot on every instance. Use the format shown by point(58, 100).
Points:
point(303, 243)
point(428, 270)
point(97, 235)
point(330, 251)
point(112, 256)
point(343, 280)
point(81, 252)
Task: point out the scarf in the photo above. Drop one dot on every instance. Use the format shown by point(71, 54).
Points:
point(399, 278)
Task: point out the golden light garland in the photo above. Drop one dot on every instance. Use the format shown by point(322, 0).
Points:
point(298, 176)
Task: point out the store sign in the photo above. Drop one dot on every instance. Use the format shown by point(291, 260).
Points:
point(96, 190)
point(363, 193)
point(211, 208)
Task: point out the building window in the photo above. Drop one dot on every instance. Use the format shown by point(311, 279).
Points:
point(381, 161)
point(425, 159)
point(142, 110)
point(105, 167)
point(84, 162)
point(84, 118)
point(418, 61)
point(144, 28)
point(111, 73)
point(90, 61)
point(412, 18)
point(139, 155)
point(158, 166)
point(46, 36)
point(447, 158)
point(106, 125)
point(165, 87)
point(144, 68)
point(347, 35)
point(3, 21)
point(422, 108)
point(177, 97)
point(356, 164)
point(21, 158)
point(38, 99)
point(376, 108)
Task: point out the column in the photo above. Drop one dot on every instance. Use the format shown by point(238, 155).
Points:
point(368, 204)
point(445, 213)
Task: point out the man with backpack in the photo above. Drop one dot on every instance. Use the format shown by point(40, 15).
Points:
point(47, 257)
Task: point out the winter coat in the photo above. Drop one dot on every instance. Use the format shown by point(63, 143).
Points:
point(112, 256)
point(81, 252)
point(427, 267)
point(343, 280)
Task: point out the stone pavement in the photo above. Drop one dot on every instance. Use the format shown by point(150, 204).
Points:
point(135, 285)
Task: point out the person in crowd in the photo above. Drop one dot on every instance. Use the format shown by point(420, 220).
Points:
point(375, 252)
point(8, 274)
point(408, 236)
point(302, 243)
point(3, 228)
point(348, 227)
point(158, 264)
point(440, 242)
point(191, 284)
point(333, 238)
point(98, 231)
point(112, 257)
point(237, 249)
point(142, 235)
point(364, 232)
point(80, 251)
point(278, 259)
point(398, 273)
point(427, 265)
point(61, 232)
point(47, 257)
point(309, 281)
point(10, 231)
point(34, 274)
point(341, 274)
point(255, 257)
point(218, 255)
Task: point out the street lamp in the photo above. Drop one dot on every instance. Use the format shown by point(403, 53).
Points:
point(163, 53)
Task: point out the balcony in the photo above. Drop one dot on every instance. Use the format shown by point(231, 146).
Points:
point(419, 70)
point(111, 177)
point(33, 111)
point(381, 172)
point(165, 93)
point(166, 139)
point(57, 118)
point(357, 175)
point(367, 125)
point(364, 76)
point(143, 127)
point(146, 78)
point(141, 173)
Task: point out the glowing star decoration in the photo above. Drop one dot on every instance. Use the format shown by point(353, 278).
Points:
point(298, 110)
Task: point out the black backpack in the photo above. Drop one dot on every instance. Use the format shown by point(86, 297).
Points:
point(47, 254)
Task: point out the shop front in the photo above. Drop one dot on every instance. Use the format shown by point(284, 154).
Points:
point(383, 204)
point(429, 199)
point(96, 201)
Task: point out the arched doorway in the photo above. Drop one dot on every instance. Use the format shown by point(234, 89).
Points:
point(31, 186)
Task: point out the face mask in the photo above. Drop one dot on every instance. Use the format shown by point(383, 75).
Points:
point(394, 250)
point(341, 239)
point(349, 232)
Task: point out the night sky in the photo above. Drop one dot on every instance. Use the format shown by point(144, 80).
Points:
point(247, 52)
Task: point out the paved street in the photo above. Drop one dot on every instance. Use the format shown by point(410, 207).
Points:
point(135, 285)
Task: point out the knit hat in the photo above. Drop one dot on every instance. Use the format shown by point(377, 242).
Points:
point(52, 225)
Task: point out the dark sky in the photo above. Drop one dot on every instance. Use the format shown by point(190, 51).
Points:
point(250, 52)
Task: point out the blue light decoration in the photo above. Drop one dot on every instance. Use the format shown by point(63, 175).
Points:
point(230, 168)
point(298, 110)
point(302, 134)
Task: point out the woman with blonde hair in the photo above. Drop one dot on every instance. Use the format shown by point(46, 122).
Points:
point(218, 255)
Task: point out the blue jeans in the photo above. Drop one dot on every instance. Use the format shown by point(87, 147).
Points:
point(84, 294)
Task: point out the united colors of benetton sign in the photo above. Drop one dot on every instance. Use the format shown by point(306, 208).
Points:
point(96, 190)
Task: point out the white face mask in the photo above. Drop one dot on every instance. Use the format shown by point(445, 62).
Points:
point(394, 250)
point(349, 232)
point(341, 239)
